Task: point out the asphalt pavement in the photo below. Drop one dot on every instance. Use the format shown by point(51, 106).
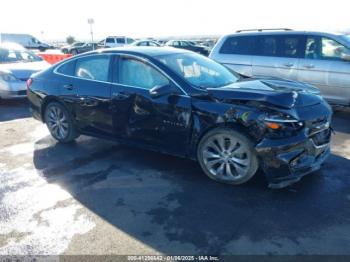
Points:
point(98, 197)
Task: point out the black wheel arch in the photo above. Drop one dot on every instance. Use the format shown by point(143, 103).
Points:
point(47, 101)
point(197, 136)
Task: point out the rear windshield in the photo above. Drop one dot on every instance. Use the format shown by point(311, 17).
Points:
point(17, 56)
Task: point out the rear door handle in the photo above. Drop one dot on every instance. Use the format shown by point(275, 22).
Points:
point(120, 95)
point(309, 66)
point(288, 64)
point(68, 87)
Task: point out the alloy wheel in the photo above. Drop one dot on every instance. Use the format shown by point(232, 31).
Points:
point(226, 158)
point(57, 122)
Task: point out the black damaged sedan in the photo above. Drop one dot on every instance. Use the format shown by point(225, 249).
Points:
point(184, 104)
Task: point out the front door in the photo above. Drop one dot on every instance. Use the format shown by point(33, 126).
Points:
point(324, 68)
point(163, 122)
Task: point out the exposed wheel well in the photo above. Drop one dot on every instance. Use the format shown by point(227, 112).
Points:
point(236, 126)
point(44, 105)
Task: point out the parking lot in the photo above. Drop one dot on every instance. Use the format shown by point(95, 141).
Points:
point(98, 197)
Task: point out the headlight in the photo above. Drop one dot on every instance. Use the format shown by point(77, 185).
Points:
point(281, 121)
point(7, 77)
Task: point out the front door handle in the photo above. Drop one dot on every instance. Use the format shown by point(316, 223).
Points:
point(68, 87)
point(309, 66)
point(120, 95)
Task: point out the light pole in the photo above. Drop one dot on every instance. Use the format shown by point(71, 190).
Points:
point(91, 22)
point(42, 36)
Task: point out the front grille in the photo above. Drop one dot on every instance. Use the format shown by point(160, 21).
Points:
point(317, 126)
point(322, 137)
point(24, 79)
point(22, 92)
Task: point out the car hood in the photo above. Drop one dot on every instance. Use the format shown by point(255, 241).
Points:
point(283, 84)
point(24, 70)
point(274, 92)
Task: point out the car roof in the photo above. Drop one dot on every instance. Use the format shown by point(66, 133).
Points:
point(143, 50)
point(285, 32)
point(12, 46)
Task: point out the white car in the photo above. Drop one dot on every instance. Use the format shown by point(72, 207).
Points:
point(117, 41)
point(16, 66)
point(28, 41)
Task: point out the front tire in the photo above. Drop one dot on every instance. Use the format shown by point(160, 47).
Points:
point(60, 123)
point(227, 156)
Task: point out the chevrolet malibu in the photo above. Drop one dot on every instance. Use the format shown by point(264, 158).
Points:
point(16, 66)
point(180, 103)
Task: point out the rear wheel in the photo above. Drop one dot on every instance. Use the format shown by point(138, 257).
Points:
point(227, 156)
point(60, 123)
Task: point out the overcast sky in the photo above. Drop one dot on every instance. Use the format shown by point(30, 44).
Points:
point(141, 18)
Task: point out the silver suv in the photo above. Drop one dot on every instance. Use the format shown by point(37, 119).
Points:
point(319, 59)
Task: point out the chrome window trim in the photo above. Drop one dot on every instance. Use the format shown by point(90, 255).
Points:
point(117, 84)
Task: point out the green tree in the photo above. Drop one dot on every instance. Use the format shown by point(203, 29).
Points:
point(70, 39)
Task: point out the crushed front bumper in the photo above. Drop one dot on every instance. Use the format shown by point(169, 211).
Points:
point(286, 161)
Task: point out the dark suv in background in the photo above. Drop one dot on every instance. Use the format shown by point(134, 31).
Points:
point(317, 58)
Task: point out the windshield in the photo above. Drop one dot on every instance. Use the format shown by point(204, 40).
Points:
point(347, 38)
point(199, 70)
point(78, 44)
point(16, 56)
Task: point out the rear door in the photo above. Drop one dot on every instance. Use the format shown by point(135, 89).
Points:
point(162, 122)
point(88, 92)
point(236, 53)
point(277, 56)
point(323, 67)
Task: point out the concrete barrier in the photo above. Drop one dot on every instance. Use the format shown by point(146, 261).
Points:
point(53, 58)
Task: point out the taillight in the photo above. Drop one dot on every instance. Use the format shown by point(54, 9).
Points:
point(29, 83)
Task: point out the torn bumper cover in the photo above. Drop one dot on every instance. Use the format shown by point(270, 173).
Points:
point(286, 161)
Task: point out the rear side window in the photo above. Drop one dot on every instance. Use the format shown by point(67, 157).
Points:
point(93, 68)
point(120, 40)
point(110, 40)
point(280, 45)
point(267, 46)
point(238, 45)
point(290, 46)
point(67, 68)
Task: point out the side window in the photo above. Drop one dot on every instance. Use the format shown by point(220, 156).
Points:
point(267, 46)
point(93, 67)
point(67, 68)
point(130, 40)
point(152, 44)
point(331, 49)
point(239, 45)
point(133, 72)
point(143, 44)
point(290, 46)
point(312, 49)
point(120, 40)
point(110, 40)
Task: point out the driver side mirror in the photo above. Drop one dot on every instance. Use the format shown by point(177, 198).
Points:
point(345, 55)
point(162, 90)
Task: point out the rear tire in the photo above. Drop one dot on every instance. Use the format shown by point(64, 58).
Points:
point(227, 156)
point(60, 123)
